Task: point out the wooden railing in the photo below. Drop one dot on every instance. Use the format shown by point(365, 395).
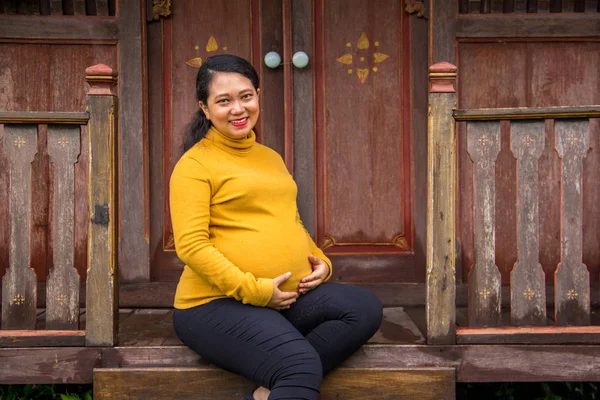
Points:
point(19, 284)
point(529, 322)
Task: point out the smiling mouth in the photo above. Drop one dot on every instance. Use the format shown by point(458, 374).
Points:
point(239, 122)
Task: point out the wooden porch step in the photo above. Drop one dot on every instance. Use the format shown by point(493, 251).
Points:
point(207, 383)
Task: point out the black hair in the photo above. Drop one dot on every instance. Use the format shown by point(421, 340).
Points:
point(196, 130)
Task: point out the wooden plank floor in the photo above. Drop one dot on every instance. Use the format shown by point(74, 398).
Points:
point(154, 327)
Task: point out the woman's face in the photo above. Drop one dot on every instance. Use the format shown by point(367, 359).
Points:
point(232, 104)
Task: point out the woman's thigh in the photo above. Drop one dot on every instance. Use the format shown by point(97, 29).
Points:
point(336, 319)
point(255, 342)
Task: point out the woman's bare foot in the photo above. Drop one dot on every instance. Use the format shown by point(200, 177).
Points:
point(261, 393)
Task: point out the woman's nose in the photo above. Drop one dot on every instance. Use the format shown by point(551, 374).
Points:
point(237, 107)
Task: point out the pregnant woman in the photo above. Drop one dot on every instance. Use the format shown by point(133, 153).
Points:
point(253, 297)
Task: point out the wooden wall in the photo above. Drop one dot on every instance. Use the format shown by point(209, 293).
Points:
point(532, 73)
point(47, 77)
point(58, 7)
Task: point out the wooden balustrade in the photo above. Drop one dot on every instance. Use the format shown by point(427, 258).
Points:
point(19, 285)
point(529, 321)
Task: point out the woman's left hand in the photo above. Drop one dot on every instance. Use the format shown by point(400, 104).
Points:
point(320, 272)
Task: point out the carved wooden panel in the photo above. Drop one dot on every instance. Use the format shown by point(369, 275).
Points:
point(58, 86)
point(572, 279)
point(528, 290)
point(19, 283)
point(192, 34)
point(533, 74)
point(483, 143)
point(363, 161)
point(62, 289)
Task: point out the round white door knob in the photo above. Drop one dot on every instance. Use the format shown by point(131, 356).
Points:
point(272, 59)
point(300, 59)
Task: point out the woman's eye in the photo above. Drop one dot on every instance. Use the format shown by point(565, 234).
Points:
point(222, 101)
point(247, 96)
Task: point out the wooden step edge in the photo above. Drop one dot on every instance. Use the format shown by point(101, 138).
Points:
point(41, 338)
point(427, 383)
point(530, 335)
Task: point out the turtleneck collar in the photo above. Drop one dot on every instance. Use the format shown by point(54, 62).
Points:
point(243, 145)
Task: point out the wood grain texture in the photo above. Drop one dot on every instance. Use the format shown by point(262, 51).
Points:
point(79, 7)
point(530, 335)
point(528, 295)
point(442, 36)
point(473, 363)
point(419, 108)
point(572, 279)
point(554, 25)
point(42, 338)
point(62, 290)
point(102, 287)
point(343, 383)
point(42, 27)
point(61, 95)
point(372, 156)
point(41, 117)
point(272, 83)
point(19, 283)
point(540, 76)
point(518, 113)
point(483, 144)
point(134, 252)
point(57, 8)
point(441, 190)
point(102, 7)
point(304, 144)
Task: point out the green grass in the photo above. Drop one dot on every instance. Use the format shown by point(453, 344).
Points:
point(45, 392)
point(529, 391)
point(464, 391)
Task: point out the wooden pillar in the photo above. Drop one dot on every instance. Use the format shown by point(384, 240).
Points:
point(441, 181)
point(102, 285)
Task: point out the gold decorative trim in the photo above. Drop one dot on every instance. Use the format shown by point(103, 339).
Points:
point(398, 241)
point(415, 6)
point(363, 44)
point(161, 8)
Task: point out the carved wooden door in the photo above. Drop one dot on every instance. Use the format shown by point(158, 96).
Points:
point(342, 123)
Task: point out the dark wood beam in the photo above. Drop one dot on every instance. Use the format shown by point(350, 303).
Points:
point(528, 26)
point(473, 363)
point(58, 28)
point(530, 335)
point(41, 338)
point(489, 114)
point(32, 117)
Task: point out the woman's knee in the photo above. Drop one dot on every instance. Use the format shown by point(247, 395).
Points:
point(296, 364)
point(364, 307)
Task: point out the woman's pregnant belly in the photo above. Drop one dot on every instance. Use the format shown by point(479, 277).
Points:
point(269, 253)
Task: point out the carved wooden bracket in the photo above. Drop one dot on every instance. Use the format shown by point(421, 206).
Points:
point(416, 6)
point(161, 8)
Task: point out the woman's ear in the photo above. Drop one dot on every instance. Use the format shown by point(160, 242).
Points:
point(204, 109)
point(257, 92)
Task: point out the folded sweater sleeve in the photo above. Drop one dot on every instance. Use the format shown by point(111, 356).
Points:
point(191, 189)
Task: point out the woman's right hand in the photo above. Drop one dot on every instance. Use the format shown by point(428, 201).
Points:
point(281, 300)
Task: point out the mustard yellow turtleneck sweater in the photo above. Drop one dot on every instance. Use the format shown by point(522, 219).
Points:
point(235, 222)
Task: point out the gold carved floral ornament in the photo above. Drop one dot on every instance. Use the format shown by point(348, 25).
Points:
point(161, 8)
point(358, 59)
point(211, 47)
point(415, 6)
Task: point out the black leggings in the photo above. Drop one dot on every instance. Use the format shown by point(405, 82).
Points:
point(287, 352)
